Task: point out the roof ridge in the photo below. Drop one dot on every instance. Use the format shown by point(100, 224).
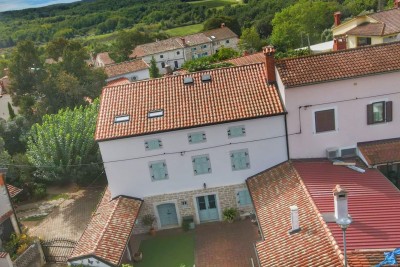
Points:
point(328, 232)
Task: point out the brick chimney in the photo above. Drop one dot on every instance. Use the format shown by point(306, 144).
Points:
point(183, 41)
point(396, 3)
point(339, 43)
point(222, 25)
point(336, 16)
point(269, 52)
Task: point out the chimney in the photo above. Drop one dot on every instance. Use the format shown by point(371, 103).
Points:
point(396, 3)
point(339, 43)
point(294, 219)
point(222, 25)
point(269, 52)
point(336, 16)
point(183, 41)
point(245, 53)
point(340, 200)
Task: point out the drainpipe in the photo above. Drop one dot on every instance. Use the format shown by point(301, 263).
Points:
point(287, 138)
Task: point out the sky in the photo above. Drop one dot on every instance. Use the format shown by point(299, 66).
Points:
point(22, 4)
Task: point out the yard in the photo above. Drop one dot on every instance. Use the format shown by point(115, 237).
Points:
point(215, 3)
point(180, 249)
point(185, 30)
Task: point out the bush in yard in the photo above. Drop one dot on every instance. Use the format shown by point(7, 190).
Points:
point(230, 214)
point(18, 243)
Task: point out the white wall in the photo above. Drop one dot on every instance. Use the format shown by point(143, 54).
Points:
point(132, 177)
point(6, 262)
point(140, 75)
point(351, 114)
point(169, 57)
point(5, 205)
point(88, 262)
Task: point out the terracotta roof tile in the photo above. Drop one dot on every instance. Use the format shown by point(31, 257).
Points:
point(249, 59)
point(119, 81)
point(109, 230)
point(125, 67)
point(368, 258)
point(339, 65)
point(194, 39)
point(13, 191)
point(156, 47)
point(273, 192)
point(381, 151)
point(367, 29)
point(235, 93)
point(220, 34)
point(6, 215)
point(105, 58)
point(3, 254)
point(391, 19)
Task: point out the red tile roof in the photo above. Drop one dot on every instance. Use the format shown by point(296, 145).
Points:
point(390, 18)
point(119, 81)
point(338, 65)
point(6, 215)
point(105, 58)
point(367, 29)
point(273, 192)
point(109, 230)
point(13, 191)
point(308, 184)
point(125, 67)
point(220, 34)
point(235, 93)
point(249, 59)
point(368, 258)
point(156, 47)
point(3, 255)
point(381, 151)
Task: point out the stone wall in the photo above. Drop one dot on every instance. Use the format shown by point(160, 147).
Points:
point(32, 257)
point(226, 197)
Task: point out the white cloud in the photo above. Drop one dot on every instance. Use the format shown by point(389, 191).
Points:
point(6, 5)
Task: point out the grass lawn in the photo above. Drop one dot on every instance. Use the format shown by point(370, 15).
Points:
point(185, 30)
point(213, 3)
point(168, 251)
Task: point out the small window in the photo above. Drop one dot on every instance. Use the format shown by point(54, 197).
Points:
point(162, 65)
point(361, 41)
point(227, 41)
point(236, 131)
point(178, 52)
point(243, 198)
point(194, 48)
point(240, 159)
point(153, 144)
point(155, 113)
point(133, 78)
point(158, 170)
point(201, 164)
point(198, 137)
point(379, 112)
point(122, 118)
point(204, 46)
point(161, 56)
point(325, 120)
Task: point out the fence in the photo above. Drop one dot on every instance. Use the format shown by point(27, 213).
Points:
point(32, 257)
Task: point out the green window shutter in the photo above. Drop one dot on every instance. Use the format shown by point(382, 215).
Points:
point(243, 197)
point(158, 170)
point(201, 164)
point(236, 131)
point(240, 159)
point(198, 137)
point(153, 144)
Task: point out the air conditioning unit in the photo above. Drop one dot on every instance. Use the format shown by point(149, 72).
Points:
point(332, 153)
point(348, 152)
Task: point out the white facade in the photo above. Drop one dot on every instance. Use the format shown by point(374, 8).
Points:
point(133, 76)
point(349, 98)
point(5, 204)
point(174, 58)
point(127, 160)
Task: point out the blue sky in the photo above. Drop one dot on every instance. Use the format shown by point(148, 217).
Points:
point(22, 4)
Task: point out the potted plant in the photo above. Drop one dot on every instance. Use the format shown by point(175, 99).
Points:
point(230, 214)
point(148, 220)
point(138, 256)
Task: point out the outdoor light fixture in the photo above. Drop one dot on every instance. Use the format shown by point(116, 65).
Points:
point(344, 223)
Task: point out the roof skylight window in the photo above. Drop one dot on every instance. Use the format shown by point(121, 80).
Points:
point(188, 80)
point(121, 118)
point(206, 78)
point(155, 113)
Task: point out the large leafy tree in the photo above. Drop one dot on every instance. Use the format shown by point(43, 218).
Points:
point(250, 40)
point(62, 147)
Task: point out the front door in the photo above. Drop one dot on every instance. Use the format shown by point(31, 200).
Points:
point(207, 206)
point(167, 214)
point(176, 64)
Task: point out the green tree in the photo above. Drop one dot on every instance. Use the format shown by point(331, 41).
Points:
point(5, 158)
point(10, 111)
point(55, 48)
point(154, 71)
point(215, 22)
point(305, 19)
point(125, 42)
point(250, 40)
point(14, 133)
point(62, 147)
point(225, 53)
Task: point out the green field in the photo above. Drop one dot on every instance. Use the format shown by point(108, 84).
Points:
point(185, 30)
point(214, 3)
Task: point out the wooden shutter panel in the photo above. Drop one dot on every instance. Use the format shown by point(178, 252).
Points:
point(389, 108)
point(325, 120)
point(370, 114)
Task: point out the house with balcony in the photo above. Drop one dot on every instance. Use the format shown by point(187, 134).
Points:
point(171, 53)
point(369, 29)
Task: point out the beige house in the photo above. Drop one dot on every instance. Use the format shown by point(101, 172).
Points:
point(371, 29)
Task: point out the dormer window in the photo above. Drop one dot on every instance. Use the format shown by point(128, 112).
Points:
point(155, 113)
point(121, 118)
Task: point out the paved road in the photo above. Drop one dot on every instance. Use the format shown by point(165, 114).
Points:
point(70, 218)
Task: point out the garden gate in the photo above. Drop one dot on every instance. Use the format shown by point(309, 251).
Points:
point(58, 249)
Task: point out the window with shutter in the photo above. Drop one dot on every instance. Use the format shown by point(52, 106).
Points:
point(153, 144)
point(240, 159)
point(243, 198)
point(158, 170)
point(236, 131)
point(198, 137)
point(379, 112)
point(324, 120)
point(201, 164)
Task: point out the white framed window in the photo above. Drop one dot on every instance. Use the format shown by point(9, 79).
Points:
point(197, 137)
point(158, 170)
point(201, 164)
point(153, 144)
point(240, 159)
point(243, 197)
point(236, 131)
point(325, 120)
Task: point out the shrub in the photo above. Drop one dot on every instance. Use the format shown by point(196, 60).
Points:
point(39, 191)
point(230, 214)
point(18, 244)
point(185, 225)
point(148, 220)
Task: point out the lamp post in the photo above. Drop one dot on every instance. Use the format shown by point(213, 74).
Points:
point(344, 223)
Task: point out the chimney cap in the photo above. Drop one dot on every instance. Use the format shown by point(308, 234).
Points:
point(339, 190)
point(269, 50)
point(337, 13)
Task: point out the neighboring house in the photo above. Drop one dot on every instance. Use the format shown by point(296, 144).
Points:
point(247, 59)
point(173, 52)
point(134, 70)
point(336, 100)
point(314, 238)
point(102, 60)
point(8, 220)
point(119, 81)
point(370, 29)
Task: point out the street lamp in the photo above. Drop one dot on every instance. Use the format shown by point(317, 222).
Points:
point(344, 223)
